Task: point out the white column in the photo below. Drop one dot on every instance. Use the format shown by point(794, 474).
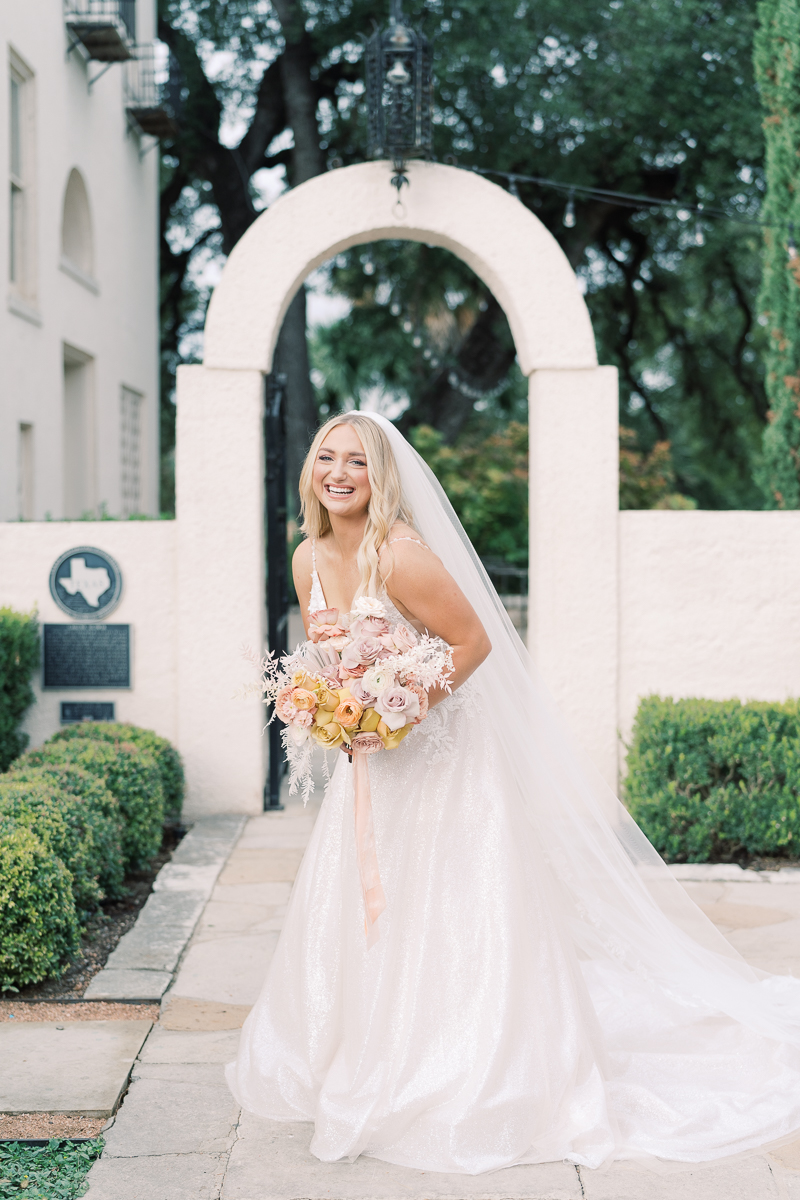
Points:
point(573, 613)
point(221, 602)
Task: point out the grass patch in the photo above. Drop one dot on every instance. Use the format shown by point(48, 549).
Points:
point(56, 1171)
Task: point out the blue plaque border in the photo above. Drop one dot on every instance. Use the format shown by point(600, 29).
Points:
point(116, 595)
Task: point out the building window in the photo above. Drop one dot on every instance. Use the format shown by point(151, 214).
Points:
point(25, 498)
point(20, 166)
point(77, 243)
point(79, 474)
point(130, 451)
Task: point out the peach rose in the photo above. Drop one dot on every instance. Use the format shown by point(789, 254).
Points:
point(283, 704)
point(348, 713)
point(367, 743)
point(303, 699)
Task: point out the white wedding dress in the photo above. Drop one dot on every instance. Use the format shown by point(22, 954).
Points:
point(542, 988)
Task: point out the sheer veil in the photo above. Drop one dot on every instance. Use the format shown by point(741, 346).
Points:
point(624, 910)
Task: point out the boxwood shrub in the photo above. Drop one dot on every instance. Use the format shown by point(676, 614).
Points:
point(133, 778)
point(162, 750)
point(38, 926)
point(19, 658)
point(90, 797)
point(716, 780)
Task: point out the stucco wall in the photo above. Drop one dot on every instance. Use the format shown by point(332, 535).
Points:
point(114, 322)
point(145, 552)
point(709, 605)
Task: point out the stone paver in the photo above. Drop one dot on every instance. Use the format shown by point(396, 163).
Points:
point(73, 1067)
point(179, 1136)
point(142, 965)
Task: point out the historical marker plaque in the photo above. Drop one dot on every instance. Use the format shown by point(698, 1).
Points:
point(75, 711)
point(87, 656)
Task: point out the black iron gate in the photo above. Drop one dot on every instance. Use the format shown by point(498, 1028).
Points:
point(277, 565)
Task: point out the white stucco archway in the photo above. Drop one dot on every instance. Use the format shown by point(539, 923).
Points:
point(219, 466)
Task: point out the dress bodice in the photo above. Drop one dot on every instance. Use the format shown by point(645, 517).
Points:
point(317, 599)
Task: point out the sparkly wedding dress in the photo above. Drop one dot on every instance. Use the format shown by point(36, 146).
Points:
point(542, 988)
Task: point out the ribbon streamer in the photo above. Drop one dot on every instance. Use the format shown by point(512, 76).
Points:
point(374, 899)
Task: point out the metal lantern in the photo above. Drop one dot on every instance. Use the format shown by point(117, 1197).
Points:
point(399, 87)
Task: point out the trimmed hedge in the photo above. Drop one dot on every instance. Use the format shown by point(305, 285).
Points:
point(91, 799)
point(19, 658)
point(165, 754)
point(59, 821)
point(133, 778)
point(711, 779)
point(38, 926)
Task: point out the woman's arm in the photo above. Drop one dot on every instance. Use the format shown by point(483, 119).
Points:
point(423, 589)
point(301, 574)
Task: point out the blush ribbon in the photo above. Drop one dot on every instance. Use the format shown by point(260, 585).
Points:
point(374, 899)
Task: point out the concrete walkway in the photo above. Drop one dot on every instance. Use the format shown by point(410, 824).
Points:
point(180, 1136)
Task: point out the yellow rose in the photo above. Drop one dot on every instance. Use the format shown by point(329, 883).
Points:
point(322, 717)
point(392, 738)
point(370, 721)
point(302, 680)
point(326, 698)
point(328, 736)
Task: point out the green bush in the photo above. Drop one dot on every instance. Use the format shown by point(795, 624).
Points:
point(96, 807)
point(162, 750)
point(38, 925)
point(59, 821)
point(716, 779)
point(132, 777)
point(19, 658)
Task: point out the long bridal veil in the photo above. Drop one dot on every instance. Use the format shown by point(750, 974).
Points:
point(626, 914)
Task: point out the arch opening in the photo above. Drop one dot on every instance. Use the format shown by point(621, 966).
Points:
point(77, 240)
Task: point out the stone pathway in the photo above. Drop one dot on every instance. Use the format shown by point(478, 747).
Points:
point(180, 1136)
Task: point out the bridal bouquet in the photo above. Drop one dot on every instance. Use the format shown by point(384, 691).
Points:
point(359, 682)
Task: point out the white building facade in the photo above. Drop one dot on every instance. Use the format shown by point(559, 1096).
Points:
point(78, 261)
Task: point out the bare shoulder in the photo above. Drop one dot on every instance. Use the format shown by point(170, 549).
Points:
point(302, 556)
point(405, 552)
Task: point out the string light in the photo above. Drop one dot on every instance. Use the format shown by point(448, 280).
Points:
point(569, 212)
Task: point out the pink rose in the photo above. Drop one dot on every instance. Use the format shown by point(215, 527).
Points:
point(352, 672)
point(362, 694)
point(422, 696)
point(369, 627)
point(362, 652)
point(398, 706)
point(367, 743)
point(324, 624)
point(404, 638)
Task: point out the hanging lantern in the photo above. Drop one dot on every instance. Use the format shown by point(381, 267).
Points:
point(399, 93)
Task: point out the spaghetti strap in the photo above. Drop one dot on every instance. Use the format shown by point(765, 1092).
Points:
point(317, 599)
point(416, 541)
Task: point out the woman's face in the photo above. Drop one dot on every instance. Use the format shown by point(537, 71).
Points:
point(340, 473)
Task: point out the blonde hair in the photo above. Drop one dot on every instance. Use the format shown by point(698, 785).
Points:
point(387, 505)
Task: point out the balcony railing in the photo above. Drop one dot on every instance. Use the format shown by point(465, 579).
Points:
point(106, 29)
point(146, 80)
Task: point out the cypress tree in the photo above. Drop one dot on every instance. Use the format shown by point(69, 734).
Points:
point(777, 68)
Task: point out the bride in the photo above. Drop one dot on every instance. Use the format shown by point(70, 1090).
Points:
point(542, 988)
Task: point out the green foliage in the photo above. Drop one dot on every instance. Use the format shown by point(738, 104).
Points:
point(716, 779)
point(56, 1171)
point(38, 926)
point(95, 806)
point(133, 778)
point(777, 64)
point(62, 824)
point(653, 98)
point(19, 658)
point(486, 480)
point(162, 750)
point(647, 480)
